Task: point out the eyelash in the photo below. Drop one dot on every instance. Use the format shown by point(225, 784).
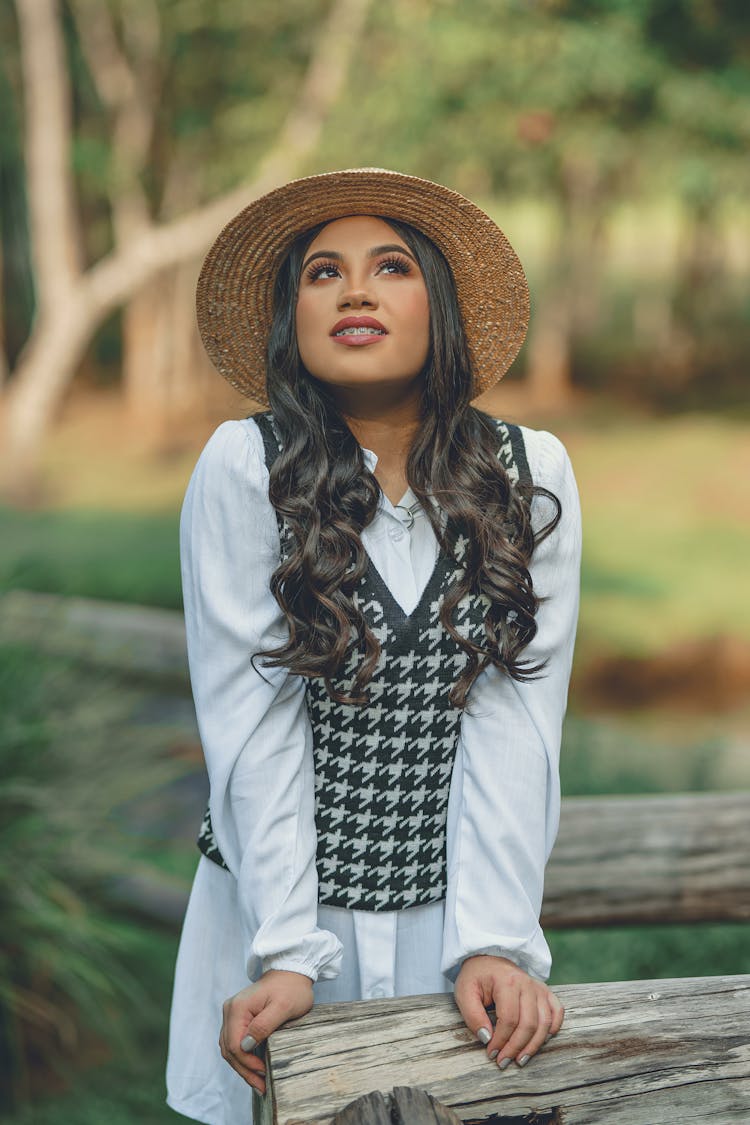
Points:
point(402, 266)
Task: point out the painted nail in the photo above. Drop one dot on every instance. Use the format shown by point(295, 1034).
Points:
point(494, 1054)
point(248, 1043)
point(503, 1063)
point(484, 1036)
point(523, 1060)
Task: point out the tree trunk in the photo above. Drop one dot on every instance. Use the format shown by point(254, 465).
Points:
point(73, 304)
point(549, 374)
point(164, 371)
point(570, 303)
point(44, 370)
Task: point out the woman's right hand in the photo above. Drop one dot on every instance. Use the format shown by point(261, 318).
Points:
point(257, 1011)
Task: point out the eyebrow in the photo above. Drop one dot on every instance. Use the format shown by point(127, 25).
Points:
point(373, 252)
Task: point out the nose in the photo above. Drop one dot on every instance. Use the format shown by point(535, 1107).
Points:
point(352, 297)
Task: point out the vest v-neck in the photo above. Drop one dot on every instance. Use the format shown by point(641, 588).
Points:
point(397, 614)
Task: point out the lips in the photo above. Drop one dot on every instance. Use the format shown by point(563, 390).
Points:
point(361, 329)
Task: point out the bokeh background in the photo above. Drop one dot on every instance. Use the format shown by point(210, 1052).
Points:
point(610, 141)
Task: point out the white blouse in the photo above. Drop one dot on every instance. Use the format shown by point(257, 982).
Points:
point(505, 796)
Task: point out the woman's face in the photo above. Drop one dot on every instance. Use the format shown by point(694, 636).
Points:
point(363, 314)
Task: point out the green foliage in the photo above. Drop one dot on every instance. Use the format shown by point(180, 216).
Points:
point(646, 952)
point(579, 103)
point(71, 966)
point(126, 557)
point(610, 755)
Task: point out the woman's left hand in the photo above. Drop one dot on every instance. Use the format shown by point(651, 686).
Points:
point(527, 1010)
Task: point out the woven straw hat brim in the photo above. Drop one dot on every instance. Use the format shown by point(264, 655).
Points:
point(235, 288)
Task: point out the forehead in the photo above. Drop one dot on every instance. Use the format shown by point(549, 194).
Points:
point(355, 231)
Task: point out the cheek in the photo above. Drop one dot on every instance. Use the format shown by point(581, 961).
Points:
point(417, 310)
point(305, 321)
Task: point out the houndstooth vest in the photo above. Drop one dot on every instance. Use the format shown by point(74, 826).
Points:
point(383, 770)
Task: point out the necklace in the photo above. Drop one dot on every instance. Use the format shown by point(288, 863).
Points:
point(410, 513)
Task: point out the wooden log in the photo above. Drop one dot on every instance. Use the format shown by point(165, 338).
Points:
point(618, 860)
point(415, 1107)
point(629, 1053)
point(132, 639)
point(404, 1106)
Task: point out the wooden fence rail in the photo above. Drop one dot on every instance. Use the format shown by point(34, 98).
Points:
point(630, 1053)
point(617, 861)
point(675, 858)
point(129, 638)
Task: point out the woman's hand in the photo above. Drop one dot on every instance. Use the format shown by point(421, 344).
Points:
point(527, 1011)
point(254, 1013)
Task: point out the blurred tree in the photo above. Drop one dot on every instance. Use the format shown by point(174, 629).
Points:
point(121, 48)
point(579, 103)
point(162, 107)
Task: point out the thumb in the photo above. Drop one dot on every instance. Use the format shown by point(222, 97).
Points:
point(263, 1023)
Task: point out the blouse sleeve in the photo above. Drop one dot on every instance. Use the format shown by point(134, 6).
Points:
point(504, 804)
point(254, 728)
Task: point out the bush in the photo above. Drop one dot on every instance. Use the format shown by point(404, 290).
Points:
point(71, 757)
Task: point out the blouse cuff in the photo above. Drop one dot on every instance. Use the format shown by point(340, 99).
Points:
point(297, 965)
point(319, 958)
point(533, 956)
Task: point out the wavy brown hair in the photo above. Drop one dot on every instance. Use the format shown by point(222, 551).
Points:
point(322, 488)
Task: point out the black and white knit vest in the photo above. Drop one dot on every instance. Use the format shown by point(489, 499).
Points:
point(383, 770)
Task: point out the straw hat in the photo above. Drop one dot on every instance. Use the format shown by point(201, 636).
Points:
point(235, 287)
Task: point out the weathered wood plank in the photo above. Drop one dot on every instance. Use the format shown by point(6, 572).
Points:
point(129, 638)
point(629, 1053)
point(650, 859)
point(404, 1106)
point(415, 1107)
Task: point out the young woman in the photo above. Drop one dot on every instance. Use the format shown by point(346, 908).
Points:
point(381, 593)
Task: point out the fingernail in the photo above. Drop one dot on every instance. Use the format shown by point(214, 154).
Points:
point(248, 1043)
point(548, 1038)
point(494, 1054)
point(523, 1060)
point(484, 1036)
point(503, 1063)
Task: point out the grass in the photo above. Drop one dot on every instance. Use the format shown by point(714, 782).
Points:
point(119, 1087)
point(127, 557)
point(666, 531)
point(77, 973)
point(644, 952)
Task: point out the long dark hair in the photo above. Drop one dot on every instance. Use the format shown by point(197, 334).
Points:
point(320, 485)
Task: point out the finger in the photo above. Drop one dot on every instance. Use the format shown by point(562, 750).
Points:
point(525, 1028)
point(539, 1038)
point(507, 1009)
point(251, 1076)
point(558, 1013)
point(249, 1067)
point(474, 1013)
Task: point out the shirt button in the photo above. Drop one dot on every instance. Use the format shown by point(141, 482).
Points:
point(396, 533)
point(377, 993)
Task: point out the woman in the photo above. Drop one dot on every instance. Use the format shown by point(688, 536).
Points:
point(381, 592)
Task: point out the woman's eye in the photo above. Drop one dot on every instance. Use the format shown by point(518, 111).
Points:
point(394, 265)
point(322, 269)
